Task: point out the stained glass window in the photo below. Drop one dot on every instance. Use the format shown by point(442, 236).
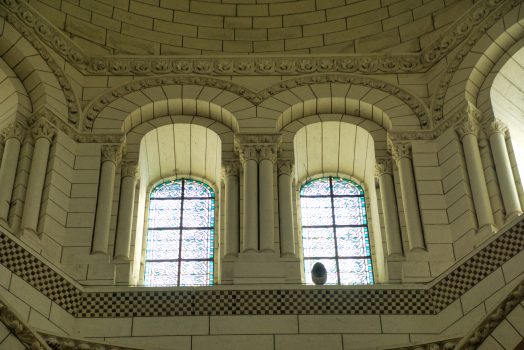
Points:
point(179, 248)
point(335, 232)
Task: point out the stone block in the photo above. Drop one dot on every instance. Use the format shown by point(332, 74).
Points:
point(134, 19)
point(403, 6)
point(104, 327)
point(321, 324)
point(378, 41)
point(150, 11)
point(254, 324)
point(398, 20)
point(238, 22)
point(286, 8)
point(261, 10)
point(85, 30)
point(30, 295)
point(304, 18)
point(352, 9)
point(131, 44)
point(285, 33)
point(75, 11)
point(175, 28)
point(233, 342)
point(352, 34)
point(325, 27)
point(210, 8)
point(482, 290)
point(178, 325)
point(416, 28)
point(367, 18)
point(251, 34)
point(267, 22)
point(310, 342)
point(202, 44)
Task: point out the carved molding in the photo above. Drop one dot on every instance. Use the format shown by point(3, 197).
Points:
point(14, 130)
point(20, 329)
point(401, 150)
point(383, 166)
point(286, 167)
point(97, 105)
point(112, 154)
point(483, 330)
point(369, 63)
point(35, 28)
point(61, 343)
point(42, 129)
point(59, 124)
point(230, 168)
point(130, 169)
point(496, 126)
point(438, 345)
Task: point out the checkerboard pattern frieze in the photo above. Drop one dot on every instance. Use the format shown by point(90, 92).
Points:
point(39, 275)
point(478, 267)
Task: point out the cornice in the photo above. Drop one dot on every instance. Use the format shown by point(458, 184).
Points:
point(484, 329)
point(20, 329)
point(264, 65)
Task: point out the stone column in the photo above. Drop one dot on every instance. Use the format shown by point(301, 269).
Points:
point(266, 209)
point(230, 171)
point(248, 157)
point(496, 132)
point(13, 135)
point(111, 156)
point(126, 205)
point(402, 155)
point(285, 206)
point(384, 173)
point(43, 134)
point(468, 132)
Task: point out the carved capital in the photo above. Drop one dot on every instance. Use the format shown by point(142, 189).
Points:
point(42, 129)
point(129, 169)
point(468, 127)
point(496, 126)
point(474, 113)
point(112, 154)
point(383, 166)
point(247, 153)
point(286, 167)
point(14, 130)
point(230, 168)
point(401, 150)
point(268, 152)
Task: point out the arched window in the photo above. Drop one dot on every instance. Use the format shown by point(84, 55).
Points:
point(180, 234)
point(334, 231)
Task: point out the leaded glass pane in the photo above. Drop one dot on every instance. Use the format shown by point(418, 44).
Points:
point(319, 242)
point(161, 274)
point(163, 245)
point(168, 190)
point(329, 264)
point(318, 187)
point(349, 211)
point(352, 241)
point(197, 244)
point(164, 213)
point(196, 273)
point(316, 211)
point(334, 231)
point(355, 271)
point(180, 239)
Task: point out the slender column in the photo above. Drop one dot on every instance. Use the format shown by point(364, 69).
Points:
point(266, 209)
point(248, 157)
point(126, 205)
point(285, 205)
point(402, 155)
point(111, 156)
point(384, 173)
point(13, 135)
point(496, 132)
point(230, 170)
point(468, 132)
point(43, 134)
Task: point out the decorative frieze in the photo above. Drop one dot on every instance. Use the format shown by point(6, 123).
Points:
point(14, 130)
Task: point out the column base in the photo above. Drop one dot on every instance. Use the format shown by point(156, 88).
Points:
point(512, 216)
point(24, 231)
point(484, 233)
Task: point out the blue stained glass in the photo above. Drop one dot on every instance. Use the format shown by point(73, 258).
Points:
point(334, 231)
point(177, 255)
point(171, 189)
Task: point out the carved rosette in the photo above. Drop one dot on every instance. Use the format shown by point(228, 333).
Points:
point(496, 126)
point(42, 129)
point(383, 166)
point(112, 154)
point(468, 127)
point(129, 169)
point(286, 167)
point(230, 168)
point(401, 150)
point(14, 130)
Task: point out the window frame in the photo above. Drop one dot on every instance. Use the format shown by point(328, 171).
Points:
point(181, 228)
point(337, 258)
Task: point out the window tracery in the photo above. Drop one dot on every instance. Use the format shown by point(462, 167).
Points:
point(335, 232)
point(179, 246)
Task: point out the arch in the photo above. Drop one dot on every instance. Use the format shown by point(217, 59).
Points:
point(14, 99)
point(384, 103)
point(44, 81)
